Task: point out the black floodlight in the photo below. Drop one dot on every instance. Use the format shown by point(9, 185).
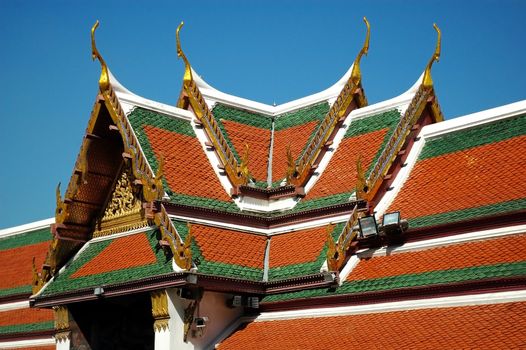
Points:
point(253, 302)
point(235, 301)
point(368, 226)
point(391, 219)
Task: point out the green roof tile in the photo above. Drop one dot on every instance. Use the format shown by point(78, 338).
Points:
point(301, 116)
point(466, 214)
point(307, 268)
point(26, 328)
point(217, 268)
point(25, 239)
point(473, 137)
point(241, 116)
point(410, 280)
point(63, 282)
point(388, 119)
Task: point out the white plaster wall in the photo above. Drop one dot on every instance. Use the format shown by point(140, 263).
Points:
point(162, 339)
point(213, 305)
point(63, 344)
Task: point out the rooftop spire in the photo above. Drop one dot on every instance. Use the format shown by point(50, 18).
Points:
point(104, 80)
point(187, 71)
point(428, 81)
point(356, 74)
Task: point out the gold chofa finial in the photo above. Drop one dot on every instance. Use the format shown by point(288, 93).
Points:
point(356, 74)
point(428, 81)
point(104, 80)
point(187, 71)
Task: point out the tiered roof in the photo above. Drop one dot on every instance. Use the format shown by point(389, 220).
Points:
point(192, 215)
point(16, 254)
point(465, 327)
point(21, 249)
point(455, 177)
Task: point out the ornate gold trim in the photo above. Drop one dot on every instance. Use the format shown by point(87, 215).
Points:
point(187, 68)
point(62, 330)
point(152, 184)
point(337, 251)
point(124, 211)
point(362, 185)
point(292, 169)
point(350, 92)
point(104, 80)
point(243, 165)
point(427, 80)
point(356, 74)
point(396, 141)
point(181, 251)
point(160, 311)
point(236, 173)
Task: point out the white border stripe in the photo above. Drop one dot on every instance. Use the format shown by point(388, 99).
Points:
point(23, 344)
point(32, 226)
point(432, 303)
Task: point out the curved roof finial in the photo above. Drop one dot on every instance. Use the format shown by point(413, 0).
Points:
point(104, 80)
point(187, 71)
point(356, 74)
point(428, 81)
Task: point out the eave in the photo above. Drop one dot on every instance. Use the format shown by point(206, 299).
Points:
point(488, 285)
point(260, 221)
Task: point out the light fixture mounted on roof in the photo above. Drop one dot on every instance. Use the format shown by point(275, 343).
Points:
point(390, 231)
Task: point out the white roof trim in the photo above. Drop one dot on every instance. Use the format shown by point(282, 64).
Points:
point(400, 102)
point(32, 226)
point(445, 127)
point(214, 95)
point(129, 100)
point(475, 119)
point(24, 344)
point(14, 306)
point(432, 303)
point(264, 231)
point(444, 241)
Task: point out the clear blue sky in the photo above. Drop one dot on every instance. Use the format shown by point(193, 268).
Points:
point(266, 51)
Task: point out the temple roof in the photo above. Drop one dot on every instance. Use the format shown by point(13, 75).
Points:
point(455, 177)
point(17, 250)
point(476, 326)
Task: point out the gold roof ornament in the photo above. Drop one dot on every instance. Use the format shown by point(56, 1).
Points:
point(356, 74)
point(361, 183)
point(187, 69)
point(243, 165)
point(291, 165)
point(61, 211)
point(428, 81)
point(104, 80)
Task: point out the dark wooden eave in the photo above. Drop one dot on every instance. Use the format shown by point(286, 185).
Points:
point(27, 335)
point(261, 221)
point(188, 279)
point(488, 285)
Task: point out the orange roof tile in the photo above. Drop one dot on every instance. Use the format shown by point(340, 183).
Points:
point(258, 141)
point(465, 179)
point(229, 246)
point(297, 247)
point(296, 137)
point(25, 316)
point(488, 252)
point(17, 264)
point(340, 174)
point(186, 175)
point(497, 326)
point(121, 253)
